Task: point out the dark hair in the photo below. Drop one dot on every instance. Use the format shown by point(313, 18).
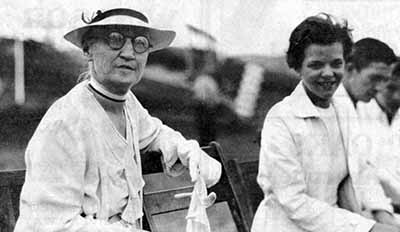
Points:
point(321, 29)
point(396, 71)
point(368, 50)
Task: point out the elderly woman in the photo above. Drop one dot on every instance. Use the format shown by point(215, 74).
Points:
point(307, 171)
point(83, 162)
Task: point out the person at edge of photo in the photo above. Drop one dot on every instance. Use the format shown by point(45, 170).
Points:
point(368, 69)
point(381, 123)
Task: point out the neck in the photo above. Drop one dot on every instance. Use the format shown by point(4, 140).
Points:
point(316, 100)
point(104, 92)
point(106, 99)
point(347, 87)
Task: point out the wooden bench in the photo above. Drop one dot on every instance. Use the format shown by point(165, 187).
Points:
point(11, 182)
point(238, 195)
point(165, 213)
point(243, 179)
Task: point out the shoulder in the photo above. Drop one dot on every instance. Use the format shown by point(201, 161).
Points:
point(279, 118)
point(68, 111)
point(282, 109)
point(133, 104)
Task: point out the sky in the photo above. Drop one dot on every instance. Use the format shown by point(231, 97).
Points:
point(259, 27)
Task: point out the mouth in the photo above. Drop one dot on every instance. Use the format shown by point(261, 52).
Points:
point(328, 85)
point(128, 67)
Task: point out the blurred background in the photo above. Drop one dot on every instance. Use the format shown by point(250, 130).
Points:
point(248, 39)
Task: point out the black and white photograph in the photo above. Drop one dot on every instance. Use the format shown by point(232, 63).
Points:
point(200, 116)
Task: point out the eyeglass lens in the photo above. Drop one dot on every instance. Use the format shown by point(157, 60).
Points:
point(117, 40)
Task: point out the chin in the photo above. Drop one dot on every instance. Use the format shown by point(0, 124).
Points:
point(327, 95)
point(128, 79)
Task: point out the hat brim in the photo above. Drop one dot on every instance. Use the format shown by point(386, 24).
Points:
point(158, 39)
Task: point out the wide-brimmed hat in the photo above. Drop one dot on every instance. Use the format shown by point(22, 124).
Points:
point(123, 19)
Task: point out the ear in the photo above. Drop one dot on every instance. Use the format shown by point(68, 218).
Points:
point(88, 55)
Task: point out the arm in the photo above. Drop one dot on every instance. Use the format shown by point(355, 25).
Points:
point(371, 153)
point(385, 217)
point(374, 198)
point(281, 172)
point(52, 196)
point(156, 136)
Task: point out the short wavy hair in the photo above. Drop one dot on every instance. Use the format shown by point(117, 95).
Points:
point(322, 29)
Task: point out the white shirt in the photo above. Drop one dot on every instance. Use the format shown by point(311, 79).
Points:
point(334, 168)
point(77, 163)
point(383, 141)
point(293, 160)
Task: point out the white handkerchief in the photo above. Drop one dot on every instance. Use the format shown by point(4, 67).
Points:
point(197, 220)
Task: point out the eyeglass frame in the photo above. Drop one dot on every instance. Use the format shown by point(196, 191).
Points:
point(105, 36)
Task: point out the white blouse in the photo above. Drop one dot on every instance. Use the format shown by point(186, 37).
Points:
point(333, 168)
point(297, 167)
point(81, 174)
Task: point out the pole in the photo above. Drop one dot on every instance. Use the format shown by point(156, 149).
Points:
point(19, 95)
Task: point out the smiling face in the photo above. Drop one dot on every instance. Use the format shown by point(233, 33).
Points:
point(365, 83)
point(322, 69)
point(117, 70)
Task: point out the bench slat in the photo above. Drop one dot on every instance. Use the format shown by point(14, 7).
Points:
point(243, 179)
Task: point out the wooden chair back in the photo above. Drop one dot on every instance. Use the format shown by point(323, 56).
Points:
point(11, 182)
point(243, 179)
point(165, 213)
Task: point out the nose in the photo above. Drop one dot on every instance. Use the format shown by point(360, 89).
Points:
point(327, 71)
point(127, 51)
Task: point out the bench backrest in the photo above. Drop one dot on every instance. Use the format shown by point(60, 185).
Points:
point(10, 188)
point(165, 213)
point(243, 179)
point(237, 191)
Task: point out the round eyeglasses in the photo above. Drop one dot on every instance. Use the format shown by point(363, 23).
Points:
point(116, 41)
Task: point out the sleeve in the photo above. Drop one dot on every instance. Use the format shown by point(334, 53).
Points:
point(281, 173)
point(370, 151)
point(155, 136)
point(372, 194)
point(52, 195)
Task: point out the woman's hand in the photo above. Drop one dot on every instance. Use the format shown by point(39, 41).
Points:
point(202, 164)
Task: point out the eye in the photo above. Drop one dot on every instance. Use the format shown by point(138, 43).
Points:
point(337, 63)
point(116, 40)
point(141, 44)
point(315, 65)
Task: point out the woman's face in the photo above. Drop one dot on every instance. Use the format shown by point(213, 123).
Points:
point(322, 69)
point(117, 70)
